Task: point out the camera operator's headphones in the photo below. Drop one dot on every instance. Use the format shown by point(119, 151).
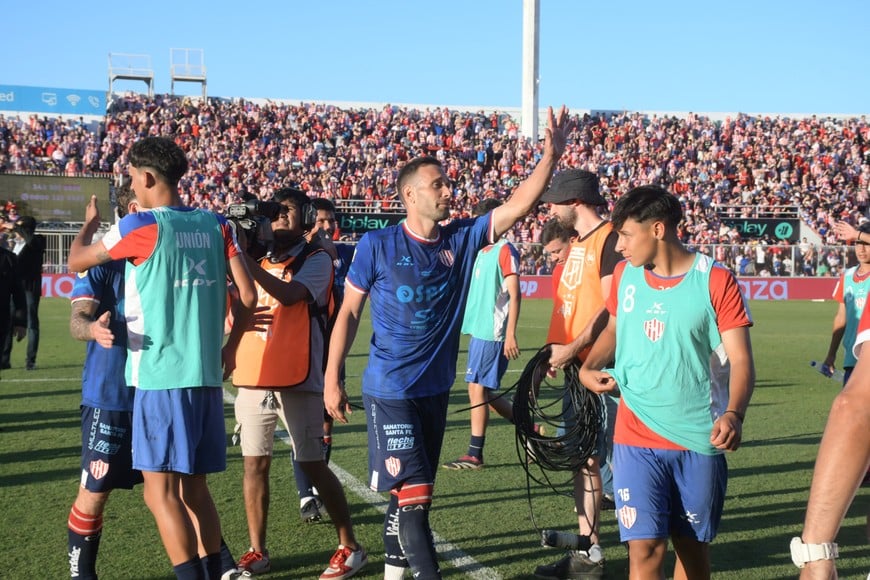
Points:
point(307, 211)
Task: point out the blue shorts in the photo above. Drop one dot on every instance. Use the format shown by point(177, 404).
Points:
point(180, 430)
point(486, 363)
point(107, 450)
point(405, 437)
point(663, 492)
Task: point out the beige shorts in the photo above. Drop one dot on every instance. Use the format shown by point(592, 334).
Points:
point(301, 412)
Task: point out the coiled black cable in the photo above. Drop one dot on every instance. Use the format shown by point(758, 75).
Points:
point(569, 414)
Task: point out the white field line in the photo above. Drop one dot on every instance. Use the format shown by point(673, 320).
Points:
point(454, 555)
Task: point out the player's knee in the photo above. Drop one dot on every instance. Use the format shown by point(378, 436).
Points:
point(257, 465)
point(91, 502)
point(646, 553)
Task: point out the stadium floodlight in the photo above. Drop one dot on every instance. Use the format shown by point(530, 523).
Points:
point(531, 48)
point(188, 65)
point(131, 67)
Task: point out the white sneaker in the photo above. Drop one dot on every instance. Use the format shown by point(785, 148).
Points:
point(345, 563)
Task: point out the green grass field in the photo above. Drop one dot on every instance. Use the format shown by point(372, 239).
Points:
point(482, 518)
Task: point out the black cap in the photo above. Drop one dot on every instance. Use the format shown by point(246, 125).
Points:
point(574, 184)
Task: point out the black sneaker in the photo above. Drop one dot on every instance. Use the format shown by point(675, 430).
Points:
point(310, 510)
point(572, 566)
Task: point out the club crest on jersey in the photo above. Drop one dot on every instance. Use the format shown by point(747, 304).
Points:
point(393, 465)
point(654, 329)
point(446, 257)
point(859, 303)
point(99, 469)
point(627, 516)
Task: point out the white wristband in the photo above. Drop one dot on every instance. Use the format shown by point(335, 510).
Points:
point(802, 553)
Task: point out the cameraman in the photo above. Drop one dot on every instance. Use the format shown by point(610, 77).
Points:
point(279, 374)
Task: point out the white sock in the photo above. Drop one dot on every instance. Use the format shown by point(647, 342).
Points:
point(393, 572)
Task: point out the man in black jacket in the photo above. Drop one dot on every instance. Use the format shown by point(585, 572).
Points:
point(11, 292)
point(30, 248)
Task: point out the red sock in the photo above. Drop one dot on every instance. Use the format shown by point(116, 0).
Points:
point(84, 524)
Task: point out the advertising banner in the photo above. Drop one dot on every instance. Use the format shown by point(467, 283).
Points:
point(52, 101)
point(360, 222)
point(775, 229)
point(754, 288)
point(60, 285)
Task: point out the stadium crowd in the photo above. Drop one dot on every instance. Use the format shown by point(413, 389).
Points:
point(815, 168)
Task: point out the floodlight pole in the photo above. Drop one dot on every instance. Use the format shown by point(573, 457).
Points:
point(531, 27)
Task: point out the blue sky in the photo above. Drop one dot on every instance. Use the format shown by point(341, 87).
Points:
point(772, 56)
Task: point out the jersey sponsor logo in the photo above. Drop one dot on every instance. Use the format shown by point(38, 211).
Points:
point(393, 465)
point(654, 329)
point(423, 293)
point(446, 257)
point(399, 443)
point(405, 261)
point(627, 516)
point(98, 469)
point(198, 270)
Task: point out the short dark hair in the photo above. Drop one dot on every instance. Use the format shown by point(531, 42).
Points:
point(410, 170)
point(162, 155)
point(296, 196)
point(554, 230)
point(123, 196)
point(647, 202)
point(323, 204)
point(485, 206)
point(864, 228)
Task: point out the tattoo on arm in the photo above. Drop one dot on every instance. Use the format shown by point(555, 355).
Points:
point(81, 318)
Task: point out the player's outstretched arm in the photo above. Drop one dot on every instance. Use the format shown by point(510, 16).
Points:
point(82, 253)
point(524, 198)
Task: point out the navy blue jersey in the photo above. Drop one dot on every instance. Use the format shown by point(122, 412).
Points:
point(342, 263)
point(103, 384)
point(417, 289)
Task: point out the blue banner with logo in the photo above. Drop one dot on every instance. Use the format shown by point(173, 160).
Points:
point(54, 101)
point(770, 228)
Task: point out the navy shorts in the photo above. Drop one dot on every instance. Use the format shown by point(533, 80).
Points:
point(486, 363)
point(107, 450)
point(405, 437)
point(180, 430)
point(662, 492)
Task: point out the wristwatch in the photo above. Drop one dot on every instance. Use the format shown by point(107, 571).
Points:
point(802, 553)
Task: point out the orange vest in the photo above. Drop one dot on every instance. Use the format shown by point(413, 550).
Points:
point(280, 356)
point(578, 297)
